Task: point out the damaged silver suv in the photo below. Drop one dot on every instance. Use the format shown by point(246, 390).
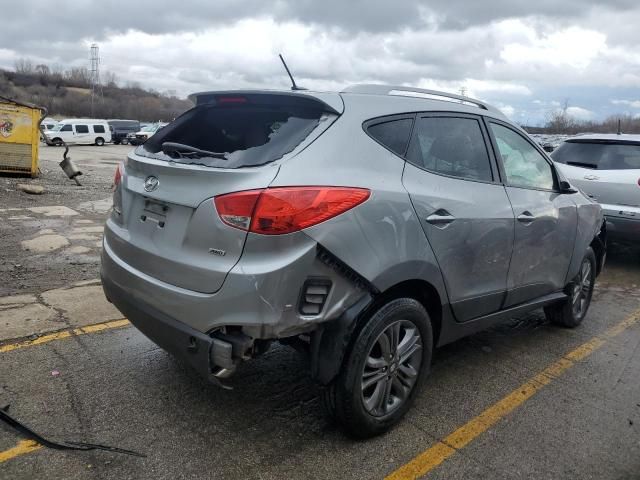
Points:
point(368, 226)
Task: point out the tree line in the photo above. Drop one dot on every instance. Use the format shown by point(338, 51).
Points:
point(561, 121)
point(67, 93)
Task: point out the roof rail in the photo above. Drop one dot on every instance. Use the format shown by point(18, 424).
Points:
point(375, 89)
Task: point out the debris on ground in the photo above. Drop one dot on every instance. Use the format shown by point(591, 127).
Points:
point(65, 445)
point(31, 189)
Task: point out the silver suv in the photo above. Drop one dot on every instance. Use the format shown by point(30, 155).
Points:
point(607, 168)
point(367, 227)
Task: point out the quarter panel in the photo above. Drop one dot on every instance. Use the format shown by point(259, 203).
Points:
point(380, 239)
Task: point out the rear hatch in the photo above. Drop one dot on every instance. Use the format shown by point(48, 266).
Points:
point(606, 170)
point(164, 222)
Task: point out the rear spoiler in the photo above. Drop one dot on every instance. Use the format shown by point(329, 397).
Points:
point(329, 102)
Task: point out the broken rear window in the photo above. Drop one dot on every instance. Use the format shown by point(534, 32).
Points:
point(234, 134)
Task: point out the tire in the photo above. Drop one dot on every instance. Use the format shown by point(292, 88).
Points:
point(380, 405)
point(572, 311)
point(99, 141)
point(124, 141)
point(57, 142)
point(116, 142)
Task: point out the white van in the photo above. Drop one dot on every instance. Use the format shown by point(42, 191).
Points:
point(80, 130)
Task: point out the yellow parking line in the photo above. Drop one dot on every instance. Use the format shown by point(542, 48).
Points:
point(438, 453)
point(97, 327)
point(24, 446)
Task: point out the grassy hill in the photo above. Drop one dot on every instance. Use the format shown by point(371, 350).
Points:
point(68, 94)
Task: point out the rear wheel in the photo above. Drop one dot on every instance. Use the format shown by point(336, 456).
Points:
point(571, 312)
point(99, 141)
point(383, 370)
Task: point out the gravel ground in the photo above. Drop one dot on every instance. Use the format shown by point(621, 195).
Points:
point(23, 271)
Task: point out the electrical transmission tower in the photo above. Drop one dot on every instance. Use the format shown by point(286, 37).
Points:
point(94, 74)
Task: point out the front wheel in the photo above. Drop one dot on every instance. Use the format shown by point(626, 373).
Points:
point(387, 362)
point(99, 142)
point(571, 312)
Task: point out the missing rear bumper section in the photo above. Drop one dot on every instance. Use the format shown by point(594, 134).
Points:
point(215, 352)
point(211, 357)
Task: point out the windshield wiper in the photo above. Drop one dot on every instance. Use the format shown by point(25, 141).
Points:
point(583, 164)
point(187, 151)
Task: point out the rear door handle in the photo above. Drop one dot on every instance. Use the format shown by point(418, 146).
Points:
point(440, 218)
point(526, 217)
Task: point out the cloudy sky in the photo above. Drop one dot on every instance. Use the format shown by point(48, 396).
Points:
point(526, 57)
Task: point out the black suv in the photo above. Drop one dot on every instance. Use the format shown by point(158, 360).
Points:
point(121, 128)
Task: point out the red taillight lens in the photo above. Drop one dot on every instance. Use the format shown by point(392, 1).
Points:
point(235, 209)
point(280, 210)
point(118, 175)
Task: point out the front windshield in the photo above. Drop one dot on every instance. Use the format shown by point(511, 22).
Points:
point(149, 128)
point(57, 128)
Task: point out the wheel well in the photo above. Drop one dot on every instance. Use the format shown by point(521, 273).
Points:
point(330, 343)
point(421, 291)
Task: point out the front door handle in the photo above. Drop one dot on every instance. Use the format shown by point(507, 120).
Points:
point(440, 218)
point(526, 217)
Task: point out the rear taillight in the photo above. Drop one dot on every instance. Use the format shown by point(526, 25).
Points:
point(117, 178)
point(280, 210)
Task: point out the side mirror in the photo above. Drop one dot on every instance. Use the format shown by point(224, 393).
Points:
point(565, 187)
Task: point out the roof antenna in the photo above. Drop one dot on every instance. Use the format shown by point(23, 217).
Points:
point(619, 128)
point(293, 82)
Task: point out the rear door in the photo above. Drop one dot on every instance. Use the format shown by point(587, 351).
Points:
point(81, 133)
point(546, 220)
point(608, 171)
point(164, 221)
point(463, 209)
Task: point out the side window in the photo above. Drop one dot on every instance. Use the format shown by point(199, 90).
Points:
point(450, 146)
point(393, 134)
point(66, 128)
point(98, 129)
point(523, 164)
point(82, 129)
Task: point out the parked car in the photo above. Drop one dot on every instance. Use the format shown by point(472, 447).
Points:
point(48, 124)
point(367, 226)
point(120, 129)
point(607, 168)
point(79, 131)
point(138, 138)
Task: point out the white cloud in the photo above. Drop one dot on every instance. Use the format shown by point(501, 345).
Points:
point(630, 103)
point(573, 47)
point(580, 113)
point(508, 110)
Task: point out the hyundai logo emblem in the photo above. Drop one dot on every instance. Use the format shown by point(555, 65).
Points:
point(151, 183)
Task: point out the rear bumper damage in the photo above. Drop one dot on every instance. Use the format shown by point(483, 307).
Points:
point(207, 355)
point(261, 300)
